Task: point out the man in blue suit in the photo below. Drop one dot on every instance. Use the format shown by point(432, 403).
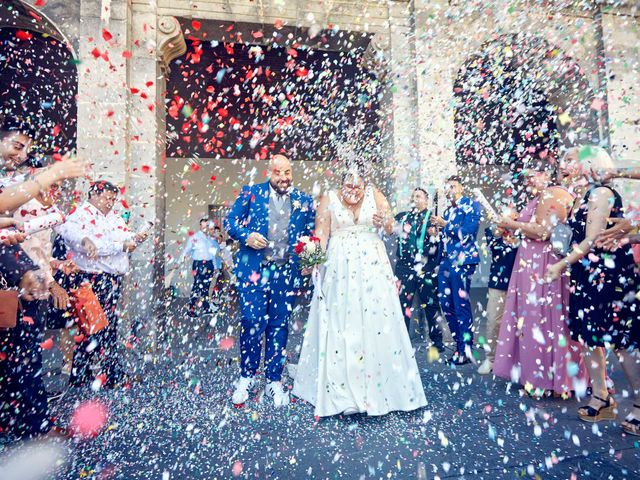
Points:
point(460, 258)
point(267, 219)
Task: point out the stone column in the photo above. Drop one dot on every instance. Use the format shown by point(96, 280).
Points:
point(402, 79)
point(145, 84)
point(102, 89)
point(156, 41)
point(436, 70)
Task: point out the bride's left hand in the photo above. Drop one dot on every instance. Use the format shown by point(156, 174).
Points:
point(378, 220)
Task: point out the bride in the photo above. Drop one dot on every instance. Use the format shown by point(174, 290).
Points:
point(356, 355)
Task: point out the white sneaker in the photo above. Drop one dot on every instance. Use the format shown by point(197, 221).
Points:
point(485, 367)
point(241, 393)
point(279, 394)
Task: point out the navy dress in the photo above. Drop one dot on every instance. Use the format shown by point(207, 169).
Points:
point(602, 308)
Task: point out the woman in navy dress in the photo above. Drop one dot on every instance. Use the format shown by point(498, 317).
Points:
point(603, 311)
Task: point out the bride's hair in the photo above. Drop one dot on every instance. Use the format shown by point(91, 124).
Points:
point(355, 170)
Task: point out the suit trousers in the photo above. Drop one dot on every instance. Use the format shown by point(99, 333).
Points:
point(426, 288)
point(203, 271)
point(103, 344)
point(265, 310)
point(495, 310)
point(454, 284)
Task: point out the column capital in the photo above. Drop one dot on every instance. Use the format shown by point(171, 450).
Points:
point(171, 43)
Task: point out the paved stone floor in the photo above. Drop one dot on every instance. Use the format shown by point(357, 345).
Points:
point(180, 424)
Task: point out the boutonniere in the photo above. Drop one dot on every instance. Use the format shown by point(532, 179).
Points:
point(296, 204)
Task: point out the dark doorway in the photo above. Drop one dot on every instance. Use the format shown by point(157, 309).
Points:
point(39, 85)
point(239, 100)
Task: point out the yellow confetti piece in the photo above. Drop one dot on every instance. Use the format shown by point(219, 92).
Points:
point(564, 118)
point(433, 355)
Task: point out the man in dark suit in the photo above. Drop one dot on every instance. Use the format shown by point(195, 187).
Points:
point(417, 266)
point(267, 219)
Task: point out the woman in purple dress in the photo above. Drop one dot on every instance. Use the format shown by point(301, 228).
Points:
point(534, 345)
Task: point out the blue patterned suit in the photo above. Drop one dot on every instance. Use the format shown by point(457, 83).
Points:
point(267, 289)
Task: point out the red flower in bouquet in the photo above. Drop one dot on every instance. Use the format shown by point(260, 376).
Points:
point(309, 252)
point(299, 248)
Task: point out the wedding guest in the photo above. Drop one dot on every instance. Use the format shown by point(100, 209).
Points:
point(16, 139)
point(99, 242)
point(38, 245)
point(418, 254)
point(23, 399)
point(604, 312)
point(460, 258)
point(204, 250)
point(503, 246)
point(267, 219)
point(534, 348)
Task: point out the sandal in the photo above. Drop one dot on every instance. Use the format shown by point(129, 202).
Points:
point(632, 426)
point(592, 415)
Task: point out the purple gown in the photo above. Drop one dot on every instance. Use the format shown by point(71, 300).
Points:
point(534, 345)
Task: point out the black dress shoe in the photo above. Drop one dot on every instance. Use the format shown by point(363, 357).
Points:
point(458, 359)
point(439, 347)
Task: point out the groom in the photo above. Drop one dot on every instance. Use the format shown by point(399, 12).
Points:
point(267, 219)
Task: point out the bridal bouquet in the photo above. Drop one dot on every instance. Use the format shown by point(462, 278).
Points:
point(310, 252)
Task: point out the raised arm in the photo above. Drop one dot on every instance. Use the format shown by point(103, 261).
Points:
point(631, 173)
point(323, 221)
point(11, 198)
point(383, 217)
point(550, 211)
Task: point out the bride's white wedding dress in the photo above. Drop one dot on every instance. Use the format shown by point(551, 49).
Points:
point(356, 355)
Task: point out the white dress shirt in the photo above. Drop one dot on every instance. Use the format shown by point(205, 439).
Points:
point(202, 247)
point(107, 232)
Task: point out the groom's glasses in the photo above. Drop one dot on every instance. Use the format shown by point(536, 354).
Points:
point(350, 186)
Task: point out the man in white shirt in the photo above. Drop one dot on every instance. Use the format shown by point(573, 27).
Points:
point(100, 242)
point(204, 250)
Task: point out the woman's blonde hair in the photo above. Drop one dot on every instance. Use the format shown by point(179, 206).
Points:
point(597, 158)
point(592, 158)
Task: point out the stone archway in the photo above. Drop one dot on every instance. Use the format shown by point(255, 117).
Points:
point(519, 100)
point(38, 76)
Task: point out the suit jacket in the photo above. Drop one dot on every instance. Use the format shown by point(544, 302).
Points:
point(250, 213)
point(432, 250)
point(459, 235)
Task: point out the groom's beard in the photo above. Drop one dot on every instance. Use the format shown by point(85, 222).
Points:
point(281, 187)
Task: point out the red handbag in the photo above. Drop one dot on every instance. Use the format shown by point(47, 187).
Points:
point(89, 312)
point(8, 308)
point(8, 305)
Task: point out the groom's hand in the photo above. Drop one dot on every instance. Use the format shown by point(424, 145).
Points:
point(256, 241)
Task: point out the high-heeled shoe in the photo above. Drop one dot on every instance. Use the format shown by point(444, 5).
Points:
point(607, 411)
point(632, 425)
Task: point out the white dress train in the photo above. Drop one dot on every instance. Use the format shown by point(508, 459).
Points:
point(356, 354)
